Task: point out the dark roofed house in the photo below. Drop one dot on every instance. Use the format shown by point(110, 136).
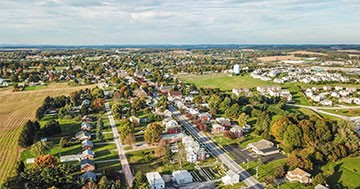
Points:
point(87, 165)
point(89, 176)
point(87, 154)
point(85, 126)
point(87, 144)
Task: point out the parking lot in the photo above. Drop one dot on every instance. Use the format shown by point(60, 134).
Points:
point(240, 154)
point(273, 157)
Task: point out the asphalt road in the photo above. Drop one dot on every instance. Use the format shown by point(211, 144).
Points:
point(249, 180)
point(320, 110)
point(124, 162)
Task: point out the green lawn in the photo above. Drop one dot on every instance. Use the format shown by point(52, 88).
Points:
point(345, 112)
point(38, 87)
point(347, 172)
point(223, 81)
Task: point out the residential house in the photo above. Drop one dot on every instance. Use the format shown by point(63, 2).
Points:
point(263, 147)
point(327, 88)
point(155, 180)
point(193, 111)
point(86, 118)
point(172, 126)
point(85, 126)
point(86, 144)
point(87, 154)
point(335, 94)
point(172, 95)
point(241, 91)
point(298, 175)
point(230, 178)
point(82, 135)
point(326, 102)
point(237, 130)
point(165, 89)
point(356, 101)
point(345, 100)
point(182, 177)
point(223, 121)
point(205, 116)
point(216, 128)
point(140, 92)
point(320, 186)
point(338, 88)
point(192, 149)
point(87, 165)
point(89, 176)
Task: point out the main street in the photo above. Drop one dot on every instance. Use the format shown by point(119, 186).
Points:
point(249, 180)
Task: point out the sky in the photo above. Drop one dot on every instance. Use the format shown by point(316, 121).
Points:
point(100, 22)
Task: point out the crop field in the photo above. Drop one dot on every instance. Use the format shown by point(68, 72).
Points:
point(277, 58)
point(223, 81)
point(15, 109)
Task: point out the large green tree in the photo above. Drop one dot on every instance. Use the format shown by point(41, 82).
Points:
point(153, 133)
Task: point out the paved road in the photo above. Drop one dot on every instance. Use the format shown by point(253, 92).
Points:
point(250, 181)
point(124, 162)
point(321, 110)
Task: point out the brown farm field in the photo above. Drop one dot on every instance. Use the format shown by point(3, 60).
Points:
point(15, 109)
point(307, 53)
point(277, 58)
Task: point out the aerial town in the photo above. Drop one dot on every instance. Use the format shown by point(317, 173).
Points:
point(166, 94)
point(169, 118)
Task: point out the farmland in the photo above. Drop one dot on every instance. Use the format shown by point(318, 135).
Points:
point(15, 109)
point(223, 81)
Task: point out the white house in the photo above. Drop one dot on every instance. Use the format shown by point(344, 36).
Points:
point(326, 102)
point(298, 175)
point(231, 178)
point(182, 177)
point(263, 147)
point(155, 180)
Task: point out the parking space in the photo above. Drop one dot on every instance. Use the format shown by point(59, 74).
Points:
point(241, 155)
point(273, 157)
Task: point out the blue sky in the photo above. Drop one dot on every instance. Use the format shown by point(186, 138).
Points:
point(87, 22)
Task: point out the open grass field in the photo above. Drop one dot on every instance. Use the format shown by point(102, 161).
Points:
point(223, 81)
point(15, 109)
point(347, 172)
point(307, 53)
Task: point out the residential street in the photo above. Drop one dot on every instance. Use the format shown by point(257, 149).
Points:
point(250, 181)
point(124, 163)
point(320, 110)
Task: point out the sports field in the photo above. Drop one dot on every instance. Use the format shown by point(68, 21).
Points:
point(223, 81)
point(15, 109)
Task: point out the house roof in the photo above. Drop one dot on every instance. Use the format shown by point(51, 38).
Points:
point(85, 162)
point(181, 174)
point(175, 93)
point(88, 152)
point(85, 124)
point(154, 176)
point(86, 143)
point(89, 175)
point(264, 145)
point(300, 172)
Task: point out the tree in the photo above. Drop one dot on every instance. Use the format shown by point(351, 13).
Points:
point(43, 161)
point(318, 179)
point(99, 103)
point(39, 148)
point(52, 127)
point(125, 128)
point(27, 135)
point(103, 183)
point(20, 167)
point(233, 111)
point(116, 109)
point(139, 181)
point(99, 135)
point(279, 171)
point(167, 156)
point(242, 120)
point(130, 139)
point(161, 148)
point(153, 133)
point(63, 142)
point(293, 136)
point(225, 104)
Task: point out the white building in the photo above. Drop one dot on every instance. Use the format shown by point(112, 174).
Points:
point(263, 147)
point(182, 177)
point(155, 180)
point(236, 69)
point(230, 178)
